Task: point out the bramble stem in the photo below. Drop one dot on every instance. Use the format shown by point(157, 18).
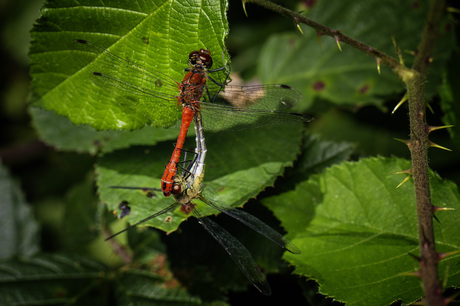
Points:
point(419, 144)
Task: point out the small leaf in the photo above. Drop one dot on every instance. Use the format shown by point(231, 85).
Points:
point(317, 155)
point(368, 135)
point(80, 219)
point(356, 231)
point(320, 154)
point(19, 229)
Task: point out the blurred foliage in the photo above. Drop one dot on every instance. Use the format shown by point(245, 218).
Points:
point(304, 176)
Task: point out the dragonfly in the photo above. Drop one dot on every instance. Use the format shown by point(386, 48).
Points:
point(225, 107)
point(187, 188)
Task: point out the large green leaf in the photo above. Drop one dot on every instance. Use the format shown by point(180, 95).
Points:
point(244, 164)
point(324, 73)
point(50, 280)
point(356, 230)
point(17, 223)
point(153, 34)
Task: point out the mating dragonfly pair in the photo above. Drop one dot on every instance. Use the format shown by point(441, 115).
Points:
point(228, 107)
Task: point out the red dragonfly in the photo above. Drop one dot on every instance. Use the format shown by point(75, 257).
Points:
point(147, 91)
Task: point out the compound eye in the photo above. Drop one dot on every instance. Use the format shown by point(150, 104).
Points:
point(193, 57)
point(206, 58)
point(176, 189)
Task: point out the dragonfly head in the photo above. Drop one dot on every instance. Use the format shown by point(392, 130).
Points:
point(201, 58)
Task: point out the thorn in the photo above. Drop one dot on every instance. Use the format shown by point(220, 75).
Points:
point(442, 256)
point(402, 140)
point(407, 171)
point(244, 8)
point(413, 53)
point(318, 36)
point(405, 180)
point(434, 145)
point(435, 128)
point(430, 108)
point(378, 64)
point(403, 99)
point(401, 61)
point(449, 299)
point(298, 25)
point(453, 10)
point(445, 278)
point(437, 208)
point(300, 29)
point(338, 42)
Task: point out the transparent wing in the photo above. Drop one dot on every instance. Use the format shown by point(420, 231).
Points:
point(238, 253)
point(148, 93)
point(159, 213)
point(260, 105)
point(257, 225)
point(153, 95)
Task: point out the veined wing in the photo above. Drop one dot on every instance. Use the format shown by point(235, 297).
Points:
point(257, 106)
point(238, 253)
point(255, 224)
point(148, 93)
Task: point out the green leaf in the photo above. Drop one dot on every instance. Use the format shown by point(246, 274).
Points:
point(356, 231)
point(153, 34)
point(349, 77)
point(51, 279)
point(319, 154)
point(80, 219)
point(372, 136)
point(18, 226)
point(141, 287)
point(55, 130)
point(244, 165)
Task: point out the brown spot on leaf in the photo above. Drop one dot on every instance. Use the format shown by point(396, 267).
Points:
point(319, 86)
point(364, 89)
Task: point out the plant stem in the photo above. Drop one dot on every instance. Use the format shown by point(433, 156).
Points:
point(418, 143)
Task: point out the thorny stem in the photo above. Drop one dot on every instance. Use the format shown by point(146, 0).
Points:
point(418, 143)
